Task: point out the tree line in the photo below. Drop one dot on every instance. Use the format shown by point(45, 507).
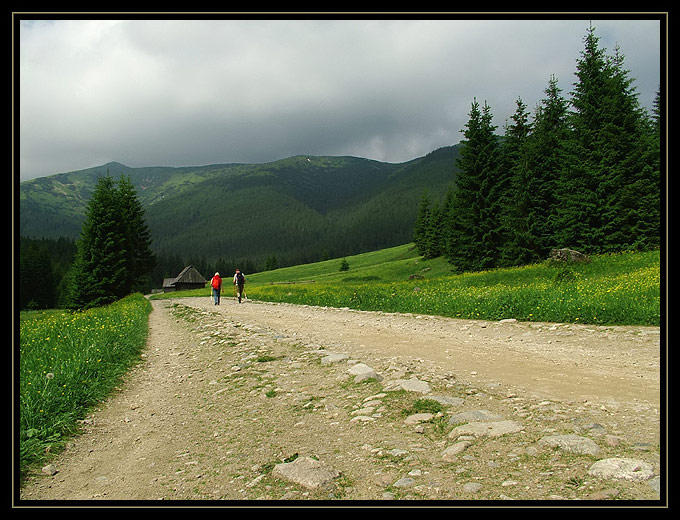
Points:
point(584, 174)
point(45, 277)
point(43, 267)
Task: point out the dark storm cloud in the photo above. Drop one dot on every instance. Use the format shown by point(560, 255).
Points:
point(193, 92)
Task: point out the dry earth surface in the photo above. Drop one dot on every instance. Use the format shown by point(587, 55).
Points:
point(262, 401)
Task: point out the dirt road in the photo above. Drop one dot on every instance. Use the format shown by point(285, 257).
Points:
point(223, 394)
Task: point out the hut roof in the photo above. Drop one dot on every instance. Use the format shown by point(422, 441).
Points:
point(188, 275)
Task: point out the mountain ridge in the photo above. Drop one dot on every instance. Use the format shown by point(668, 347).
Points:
point(297, 208)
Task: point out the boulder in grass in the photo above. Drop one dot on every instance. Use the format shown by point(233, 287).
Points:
point(568, 256)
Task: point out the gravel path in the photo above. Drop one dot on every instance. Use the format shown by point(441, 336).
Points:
point(266, 401)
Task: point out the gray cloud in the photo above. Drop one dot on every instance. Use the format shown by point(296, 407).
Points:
point(193, 92)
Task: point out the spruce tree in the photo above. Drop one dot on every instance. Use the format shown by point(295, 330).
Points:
point(546, 160)
point(137, 238)
point(99, 270)
point(472, 227)
point(434, 234)
point(582, 187)
point(609, 191)
point(513, 199)
point(655, 118)
point(632, 212)
point(650, 200)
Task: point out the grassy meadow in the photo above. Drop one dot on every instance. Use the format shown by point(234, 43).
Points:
point(69, 362)
point(619, 289)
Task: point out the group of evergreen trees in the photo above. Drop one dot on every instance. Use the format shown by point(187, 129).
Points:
point(113, 257)
point(585, 175)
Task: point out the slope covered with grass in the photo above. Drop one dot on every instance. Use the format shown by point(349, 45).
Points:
point(621, 289)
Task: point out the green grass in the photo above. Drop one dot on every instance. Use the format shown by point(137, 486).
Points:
point(69, 362)
point(620, 289)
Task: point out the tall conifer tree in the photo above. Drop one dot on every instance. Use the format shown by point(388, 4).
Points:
point(546, 160)
point(98, 273)
point(471, 225)
point(422, 223)
point(609, 191)
point(434, 235)
point(137, 238)
point(581, 186)
point(514, 196)
point(632, 212)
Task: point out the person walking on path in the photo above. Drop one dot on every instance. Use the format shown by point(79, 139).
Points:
point(216, 284)
point(239, 282)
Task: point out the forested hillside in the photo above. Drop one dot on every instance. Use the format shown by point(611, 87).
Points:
point(299, 209)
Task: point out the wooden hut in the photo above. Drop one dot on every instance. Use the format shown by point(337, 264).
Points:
point(189, 278)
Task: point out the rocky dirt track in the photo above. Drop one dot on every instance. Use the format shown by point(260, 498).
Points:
point(228, 399)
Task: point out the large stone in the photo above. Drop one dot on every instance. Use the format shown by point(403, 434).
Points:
point(404, 482)
point(447, 401)
point(622, 469)
point(50, 469)
point(362, 372)
point(486, 429)
point(333, 357)
point(418, 418)
point(307, 472)
point(572, 444)
point(474, 416)
point(568, 255)
point(472, 487)
point(450, 454)
point(410, 385)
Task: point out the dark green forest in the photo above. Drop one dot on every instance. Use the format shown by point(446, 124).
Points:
point(301, 210)
point(43, 266)
point(584, 174)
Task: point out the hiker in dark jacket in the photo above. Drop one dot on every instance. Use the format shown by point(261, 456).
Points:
point(239, 282)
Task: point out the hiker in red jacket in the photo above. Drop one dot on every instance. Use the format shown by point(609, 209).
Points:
point(216, 284)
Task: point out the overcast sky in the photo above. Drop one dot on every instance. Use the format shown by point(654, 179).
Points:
point(195, 92)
